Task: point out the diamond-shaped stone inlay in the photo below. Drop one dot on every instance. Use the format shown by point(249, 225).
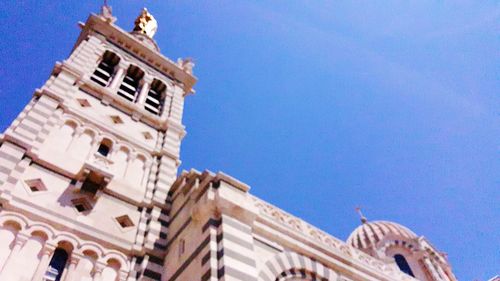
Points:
point(147, 135)
point(124, 221)
point(116, 119)
point(36, 185)
point(83, 102)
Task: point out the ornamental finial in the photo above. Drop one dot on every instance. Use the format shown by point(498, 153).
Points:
point(362, 217)
point(107, 12)
point(146, 24)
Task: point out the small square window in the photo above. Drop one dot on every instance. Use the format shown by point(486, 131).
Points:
point(81, 205)
point(124, 221)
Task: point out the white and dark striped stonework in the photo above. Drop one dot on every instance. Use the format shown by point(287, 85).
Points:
point(90, 174)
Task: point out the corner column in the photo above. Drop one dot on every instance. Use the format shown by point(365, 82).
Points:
point(98, 268)
point(72, 267)
point(238, 249)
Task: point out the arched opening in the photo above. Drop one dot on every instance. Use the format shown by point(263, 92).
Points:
point(120, 159)
point(105, 69)
point(90, 254)
point(403, 264)
point(105, 147)
point(85, 265)
point(110, 272)
point(8, 234)
point(130, 84)
point(61, 139)
point(56, 265)
point(81, 147)
point(156, 97)
point(136, 171)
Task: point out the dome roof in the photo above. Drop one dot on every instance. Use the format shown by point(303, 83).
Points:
point(369, 234)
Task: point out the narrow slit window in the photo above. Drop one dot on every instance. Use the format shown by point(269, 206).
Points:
point(130, 85)
point(182, 247)
point(106, 68)
point(156, 97)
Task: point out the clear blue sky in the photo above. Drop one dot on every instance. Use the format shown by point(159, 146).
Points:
point(321, 106)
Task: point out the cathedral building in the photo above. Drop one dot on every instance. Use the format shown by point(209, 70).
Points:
point(90, 188)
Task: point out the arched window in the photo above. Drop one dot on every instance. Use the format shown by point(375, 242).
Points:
point(61, 138)
point(81, 147)
point(105, 69)
point(105, 147)
point(56, 265)
point(120, 159)
point(130, 84)
point(156, 97)
point(403, 264)
point(110, 272)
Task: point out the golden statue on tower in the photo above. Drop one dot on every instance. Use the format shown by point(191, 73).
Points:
point(146, 24)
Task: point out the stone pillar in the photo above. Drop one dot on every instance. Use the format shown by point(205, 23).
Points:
point(177, 106)
point(167, 102)
point(122, 276)
point(231, 232)
point(98, 268)
point(7, 236)
point(237, 242)
point(130, 160)
point(28, 259)
point(143, 94)
point(76, 135)
point(118, 77)
point(11, 259)
point(71, 268)
point(109, 274)
point(96, 141)
point(47, 252)
point(84, 268)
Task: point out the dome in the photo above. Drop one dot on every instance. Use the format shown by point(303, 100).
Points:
point(369, 234)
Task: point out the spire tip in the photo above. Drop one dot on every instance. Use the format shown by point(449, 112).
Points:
point(361, 216)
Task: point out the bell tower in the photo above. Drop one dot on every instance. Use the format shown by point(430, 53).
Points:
point(86, 167)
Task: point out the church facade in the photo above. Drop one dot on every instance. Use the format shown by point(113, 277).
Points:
point(90, 189)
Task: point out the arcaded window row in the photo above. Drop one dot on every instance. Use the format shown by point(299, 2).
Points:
point(132, 85)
